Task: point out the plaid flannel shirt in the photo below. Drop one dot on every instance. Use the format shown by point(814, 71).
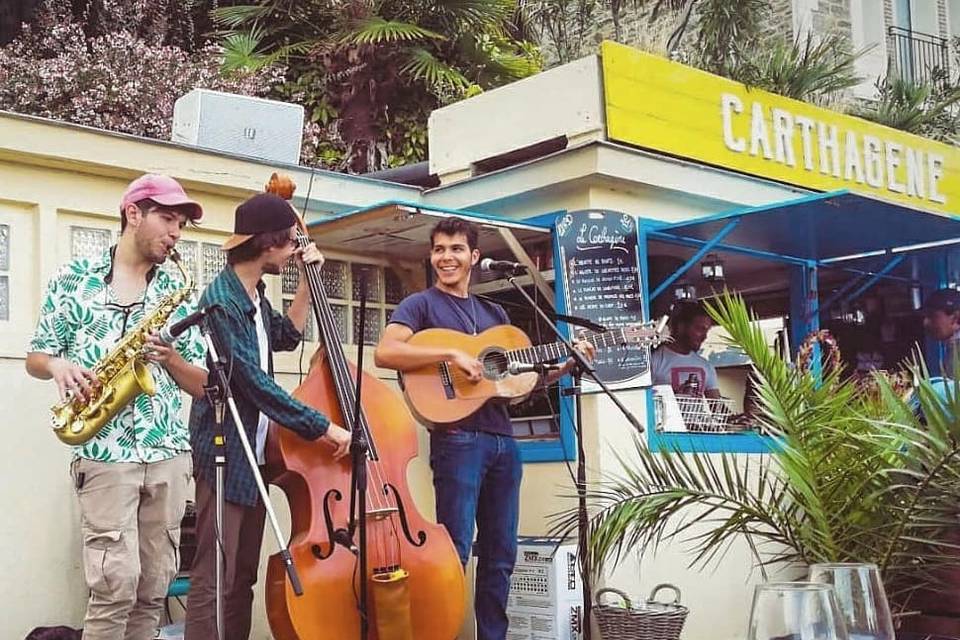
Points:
point(235, 334)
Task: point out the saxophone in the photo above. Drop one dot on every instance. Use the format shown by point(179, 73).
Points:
point(122, 375)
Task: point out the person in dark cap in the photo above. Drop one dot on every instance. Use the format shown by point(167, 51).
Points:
point(941, 321)
point(248, 331)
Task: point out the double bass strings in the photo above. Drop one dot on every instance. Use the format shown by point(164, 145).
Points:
point(341, 376)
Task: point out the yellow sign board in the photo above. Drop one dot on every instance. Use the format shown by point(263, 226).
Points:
point(657, 104)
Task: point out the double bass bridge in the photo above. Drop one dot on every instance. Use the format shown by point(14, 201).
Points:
point(382, 514)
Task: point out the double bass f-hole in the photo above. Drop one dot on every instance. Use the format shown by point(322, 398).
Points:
point(344, 537)
point(421, 535)
point(316, 549)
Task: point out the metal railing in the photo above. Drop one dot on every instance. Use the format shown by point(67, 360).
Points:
point(915, 56)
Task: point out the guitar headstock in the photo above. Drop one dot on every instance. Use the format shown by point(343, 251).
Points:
point(646, 334)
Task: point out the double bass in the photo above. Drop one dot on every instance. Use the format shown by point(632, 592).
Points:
point(414, 574)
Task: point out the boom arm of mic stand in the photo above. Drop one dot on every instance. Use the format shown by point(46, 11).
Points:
point(251, 458)
point(578, 357)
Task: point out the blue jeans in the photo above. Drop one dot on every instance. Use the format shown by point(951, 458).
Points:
point(476, 477)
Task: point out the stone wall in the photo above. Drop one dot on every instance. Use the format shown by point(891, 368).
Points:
point(833, 16)
point(887, 14)
point(634, 29)
point(942, 21)
point(781, 19)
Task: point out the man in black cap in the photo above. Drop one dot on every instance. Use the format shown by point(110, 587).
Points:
point(247, 331)
point(941, 311)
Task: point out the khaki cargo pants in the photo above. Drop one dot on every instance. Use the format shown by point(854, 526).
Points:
point(130, 526)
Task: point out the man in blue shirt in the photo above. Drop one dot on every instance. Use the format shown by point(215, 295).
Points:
point(247, 331)
point(475, 462)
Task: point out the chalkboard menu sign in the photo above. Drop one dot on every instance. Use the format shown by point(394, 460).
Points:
point(599, 275)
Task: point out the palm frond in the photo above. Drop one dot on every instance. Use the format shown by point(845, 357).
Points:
point(421, 65)
point(488, 60)
point(475, 15)
point(376, 30)
point(243, 50)
point(914, 107)
point(851, 476)
point(805, 70)
point(234, 17)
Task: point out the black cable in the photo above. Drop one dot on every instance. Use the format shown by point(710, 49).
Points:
point(554, 415)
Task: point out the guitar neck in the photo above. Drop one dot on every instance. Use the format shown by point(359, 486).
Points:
point(556, 350)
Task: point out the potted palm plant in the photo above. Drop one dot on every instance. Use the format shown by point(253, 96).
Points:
point(855, 473)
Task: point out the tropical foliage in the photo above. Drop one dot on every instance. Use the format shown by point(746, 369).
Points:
point(810, 69)
point(924, 109)
point(853, 475)
point(570, 29)
point(727, 32)
point(370, 73)
point(722, 37)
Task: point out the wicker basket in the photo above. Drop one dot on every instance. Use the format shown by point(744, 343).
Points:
point(651, 620)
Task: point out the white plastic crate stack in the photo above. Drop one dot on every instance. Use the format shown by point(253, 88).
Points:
point(546, 594)
point(264, 129)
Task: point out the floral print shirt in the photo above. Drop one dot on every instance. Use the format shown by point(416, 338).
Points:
point(81, 320)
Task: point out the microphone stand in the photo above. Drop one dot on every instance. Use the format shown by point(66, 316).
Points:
point(215, 396)
point(582, 519)
point(358, 482)
point(221, 396)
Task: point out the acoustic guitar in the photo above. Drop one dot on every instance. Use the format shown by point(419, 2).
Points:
point(439, 394)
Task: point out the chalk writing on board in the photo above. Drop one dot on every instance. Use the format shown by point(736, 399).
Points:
point(601, 282)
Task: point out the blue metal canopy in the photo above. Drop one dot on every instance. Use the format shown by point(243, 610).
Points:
point(821, 228)
point(400, 230)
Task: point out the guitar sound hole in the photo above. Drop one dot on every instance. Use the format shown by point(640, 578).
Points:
point(494, 364)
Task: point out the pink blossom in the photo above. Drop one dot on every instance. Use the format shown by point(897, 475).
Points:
point(121, 81)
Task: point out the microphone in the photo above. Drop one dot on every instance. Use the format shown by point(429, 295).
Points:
point(170, 333)
point(502, 266)
point(515, 368)
point(661, 325)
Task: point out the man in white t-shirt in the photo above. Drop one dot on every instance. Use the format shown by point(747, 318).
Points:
point(677, 363)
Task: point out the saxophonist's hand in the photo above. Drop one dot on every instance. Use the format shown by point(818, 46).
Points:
point(73, 381)
point(157, 351)
point(188, 377)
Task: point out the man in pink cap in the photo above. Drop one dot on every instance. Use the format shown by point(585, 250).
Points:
point(132, 477)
